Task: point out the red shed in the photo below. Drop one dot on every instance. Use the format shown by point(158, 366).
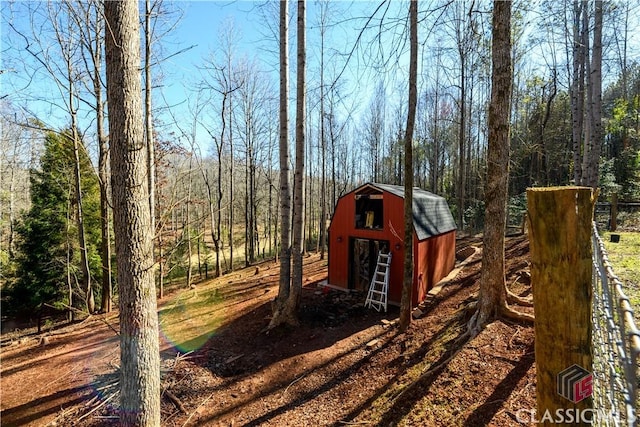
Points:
point(370, 219)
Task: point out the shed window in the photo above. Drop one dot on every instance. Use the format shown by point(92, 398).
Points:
point(369, 211)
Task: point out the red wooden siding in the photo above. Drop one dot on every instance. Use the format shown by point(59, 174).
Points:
point(433, 257)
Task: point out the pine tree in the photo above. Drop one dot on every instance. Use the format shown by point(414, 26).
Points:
point(48, 255)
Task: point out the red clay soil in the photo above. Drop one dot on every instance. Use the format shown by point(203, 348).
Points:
point(344, 365)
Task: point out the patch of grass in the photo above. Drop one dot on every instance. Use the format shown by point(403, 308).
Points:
point(624, 257)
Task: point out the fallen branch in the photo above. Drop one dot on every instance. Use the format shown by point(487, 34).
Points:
point(196, 410)
point(292, 383)
point(174, 399)
point(111, 396)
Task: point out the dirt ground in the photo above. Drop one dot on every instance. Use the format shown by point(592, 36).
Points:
point(344, 365)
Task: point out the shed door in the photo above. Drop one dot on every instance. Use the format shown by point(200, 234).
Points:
point(362, 261)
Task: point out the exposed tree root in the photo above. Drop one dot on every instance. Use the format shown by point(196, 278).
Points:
point(515, 315)
point(479, 320)
point(518, 300)
point(284, 314)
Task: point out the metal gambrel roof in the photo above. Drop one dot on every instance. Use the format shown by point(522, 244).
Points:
point(431, 214)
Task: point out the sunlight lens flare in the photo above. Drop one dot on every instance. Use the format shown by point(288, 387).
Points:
point(190, 319)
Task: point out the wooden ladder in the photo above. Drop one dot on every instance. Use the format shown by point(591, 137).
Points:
point(377, 296)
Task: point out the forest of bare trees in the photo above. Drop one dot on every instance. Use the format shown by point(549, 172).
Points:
point(111, 187)
point(220, 187)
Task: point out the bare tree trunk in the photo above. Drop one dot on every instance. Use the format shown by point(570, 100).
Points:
point(12, 208)
point(436, 137)
point(186, 229)
point(463, 48)
point(75, 140)
point(105, 243)
point(492, 285)
point(214, 224)
point(285, 191)
point(247, 216)
point(216, 241)
point(219, 148)
point(543, 142)
point(492, 299)
point(231, 168)
point(595, 102)
point(71, 312)
point(586, 138)
point(270, 215)
point(323, 143)
point(285, 311)
point(103, 159)
point(139, 348)
point(580, 46)
point(148, 117)
point(308, 218)
point(84, 258)
point(160, 256)
point(332, 138)
point(407, 282)
point(298, 196)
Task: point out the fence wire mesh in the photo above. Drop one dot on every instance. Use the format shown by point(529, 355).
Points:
point(616, 345)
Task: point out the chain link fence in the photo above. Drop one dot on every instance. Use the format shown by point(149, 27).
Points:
point(616, 345)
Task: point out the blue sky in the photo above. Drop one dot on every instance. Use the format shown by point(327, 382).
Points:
point(200, 25)
point(204, 23)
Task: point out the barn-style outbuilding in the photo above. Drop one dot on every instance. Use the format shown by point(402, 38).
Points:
point(369, 219)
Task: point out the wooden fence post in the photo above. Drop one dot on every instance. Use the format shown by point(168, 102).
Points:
point(560, 221)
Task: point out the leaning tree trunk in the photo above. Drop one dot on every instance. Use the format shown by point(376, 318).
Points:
point(139, 348)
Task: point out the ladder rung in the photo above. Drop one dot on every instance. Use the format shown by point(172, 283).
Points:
point(377, 296)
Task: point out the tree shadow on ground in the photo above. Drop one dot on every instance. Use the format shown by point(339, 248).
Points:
point(404, 399)
point(387, 338)
point(43, 406)
point(236, 349)
point(492, 404)
point(237, 352)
